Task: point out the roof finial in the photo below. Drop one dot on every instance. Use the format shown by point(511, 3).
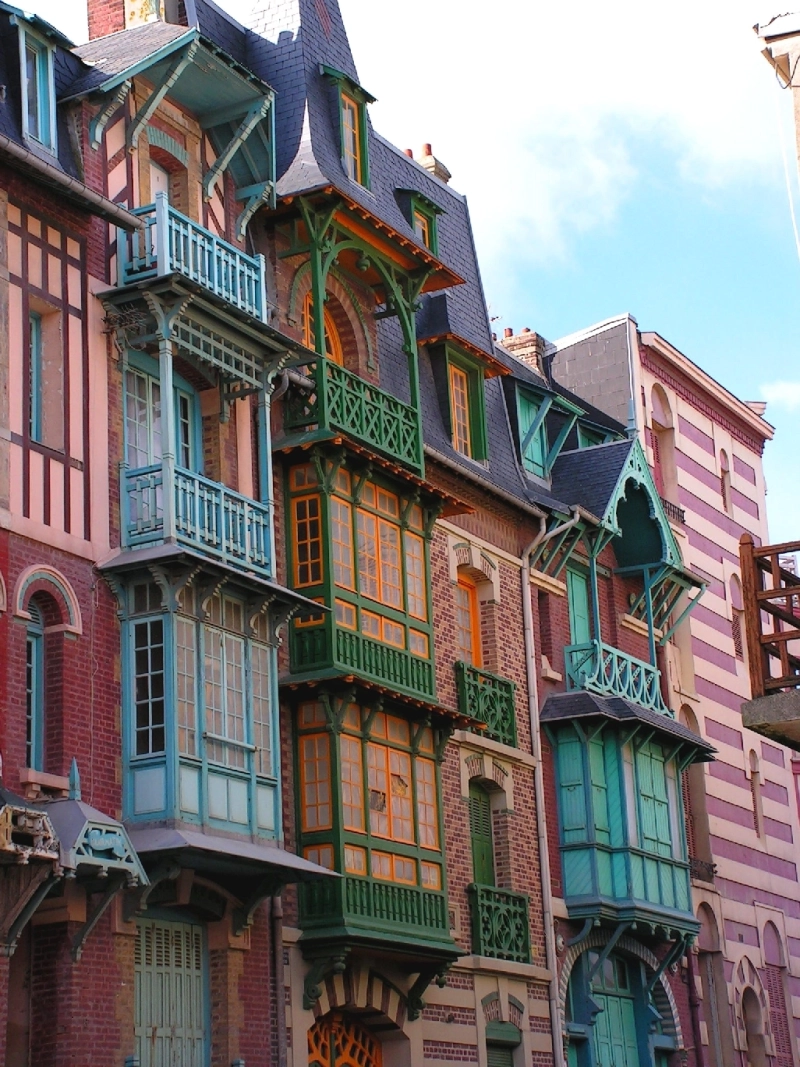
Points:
point(74, 781)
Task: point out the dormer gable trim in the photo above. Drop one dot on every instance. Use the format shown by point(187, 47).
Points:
point(344, 81)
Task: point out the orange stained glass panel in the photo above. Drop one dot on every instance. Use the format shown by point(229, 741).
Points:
point(315, 782)
point(342, 542)
point(307, 541)
point(468, 644)
point(341, 1041)
point(415, 576)
point(352, 785)
point(459, 410)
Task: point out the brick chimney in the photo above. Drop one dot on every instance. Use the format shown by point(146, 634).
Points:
point(526, 345)
point(427, 160)
point(111, 16)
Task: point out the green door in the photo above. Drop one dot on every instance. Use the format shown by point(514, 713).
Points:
point(480, 824)
point(580, 623)
point(615, 1040)
point(170, 995)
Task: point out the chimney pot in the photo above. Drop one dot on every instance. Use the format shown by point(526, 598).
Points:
point(526, 329)
point(409, 152)
point(508, 332)
point(427, 150)
point(527, 346)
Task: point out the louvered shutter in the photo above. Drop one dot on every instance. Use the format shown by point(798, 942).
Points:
point(499, 1056)
point(580, 626)
point(778, 1016)
point(571, 791)
point(480, 822)
point(597, 768)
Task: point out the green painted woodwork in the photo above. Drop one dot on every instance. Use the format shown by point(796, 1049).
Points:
point(533, 431)
point(580, 623)
point(480, 827)
point(474, 370)
point(170, 995)
point(499, 1056)
point(600, 668)
point(623, 850)
point(351, 907)
point(343, 402)
point(500, 925)
point(489, 699)
point(616, 1042)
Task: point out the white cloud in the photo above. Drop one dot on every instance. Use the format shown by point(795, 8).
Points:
point(782, 394)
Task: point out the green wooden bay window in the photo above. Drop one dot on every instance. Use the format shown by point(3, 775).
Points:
point(200, 743)
point(360, 547)
point(369, 806)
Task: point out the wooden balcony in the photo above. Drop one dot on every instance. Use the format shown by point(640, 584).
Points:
point(170, 504)
point(489, 699)
point(602, 669)
point(171, 243)
point(500, 926)
point(771, 603)
point(330, 398)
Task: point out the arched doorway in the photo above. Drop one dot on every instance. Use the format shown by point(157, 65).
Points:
point(615, 1033)
point(339, 1040)
point(754, 1029)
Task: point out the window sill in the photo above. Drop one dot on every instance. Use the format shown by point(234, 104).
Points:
point(37, 784)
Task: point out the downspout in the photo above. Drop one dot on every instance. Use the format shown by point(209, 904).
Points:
point(538, 782)
point(276, 914)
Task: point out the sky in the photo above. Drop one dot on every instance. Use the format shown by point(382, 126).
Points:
point(617, 157)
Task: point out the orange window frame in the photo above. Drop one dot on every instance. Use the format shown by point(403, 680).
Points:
point(459, 409)
point(352, 154)
point(415, 576)
point(307, 549)
point(468, 622)
point(422, 228)
point(342, 543)
point(333, 342)
point(315, 782)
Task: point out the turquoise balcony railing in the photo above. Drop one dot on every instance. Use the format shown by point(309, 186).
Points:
point(489, 699)
point(328, 647)
point(609, 672)
point(171, 243)
point(203, 515)
point(401, 912)
point(335, 399)
point(500, 926)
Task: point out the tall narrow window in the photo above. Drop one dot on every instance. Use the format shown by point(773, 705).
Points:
point(308, 541)
point(351, 139)
point(142, 420)
point(148, 653)
point(533, 435)
point(755, 792)
point(468, 632)
point(480, 825)
point(459, 409)
point(737, 617)
point(725, 481)
point(34, 690)
point(35, 387)
point(184, 426)
point(37, 96)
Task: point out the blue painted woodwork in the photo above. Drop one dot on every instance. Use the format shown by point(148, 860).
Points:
point(602, 669)
point(206, 516)
point(171, 243)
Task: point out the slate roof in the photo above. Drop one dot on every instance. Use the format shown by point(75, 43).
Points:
point(584, 705)
point(590, 475)
point(108, 57)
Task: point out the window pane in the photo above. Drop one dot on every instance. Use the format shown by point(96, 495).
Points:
point(342, 539)
point(315, 774)
point(467, 631)
point(148, 640)
point(378, 789)
point(262, 738)
point(402, 822)
point(391, 588)
point(352, 791)
point(308, 541)
point(415, 576)
point(33, 58)
point(186, 656)
point(368, 555)
point(459, 410)
point(426, 804)
point(351, 139)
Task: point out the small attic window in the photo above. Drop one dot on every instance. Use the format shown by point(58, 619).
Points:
point(467, 406)
point(422, 215)
point(353, 140)
point(38, 90)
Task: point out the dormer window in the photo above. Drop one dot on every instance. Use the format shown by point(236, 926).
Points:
point(467, 412)
point(353, 102)
point(422, 227)
point(422, 216)
point(38, 91)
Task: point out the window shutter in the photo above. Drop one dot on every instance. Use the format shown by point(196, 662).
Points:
point(653, 801)
point(597, 770)
point(533, 457)
point(499, 1056)
point(572, 795)
point(580, 627)
point(480, 821)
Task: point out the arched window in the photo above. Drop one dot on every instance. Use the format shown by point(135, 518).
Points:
point(693, 785)
point(468, 629)
point(333, 344)
point(737, 617)
point(34, 690)
point(339, 1040)
point(714, 989)
point(755, 792)
point(725, 481)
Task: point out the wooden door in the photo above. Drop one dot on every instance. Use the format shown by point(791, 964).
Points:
point(615, 1038)
point(170, 995)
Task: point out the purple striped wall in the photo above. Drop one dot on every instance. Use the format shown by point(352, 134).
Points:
point(744, 470)
point(772, 754)
point(708, 512)
point(710, 654)
point(720, 732)
point(743, 894)
point(726, 773)
point(741, 932)
point(781, 831)
point(751, 857)
point(703, 475)
point(695, 435)
point(708, 547)
point(744, 502)
point(773, 791)
point(725, 697)
point(723, 809)
point(711, 618)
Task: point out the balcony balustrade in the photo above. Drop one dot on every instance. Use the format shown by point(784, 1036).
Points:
point(171, 243)
point(400, 911)
point(702, 870)
point(673, 512)
point(331, 647)
point(489, 699)
point(500, 926)
point(203, 515)
point(601, 669)
point(335, 399)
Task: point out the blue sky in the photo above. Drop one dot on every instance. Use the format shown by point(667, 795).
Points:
point(616, 157)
